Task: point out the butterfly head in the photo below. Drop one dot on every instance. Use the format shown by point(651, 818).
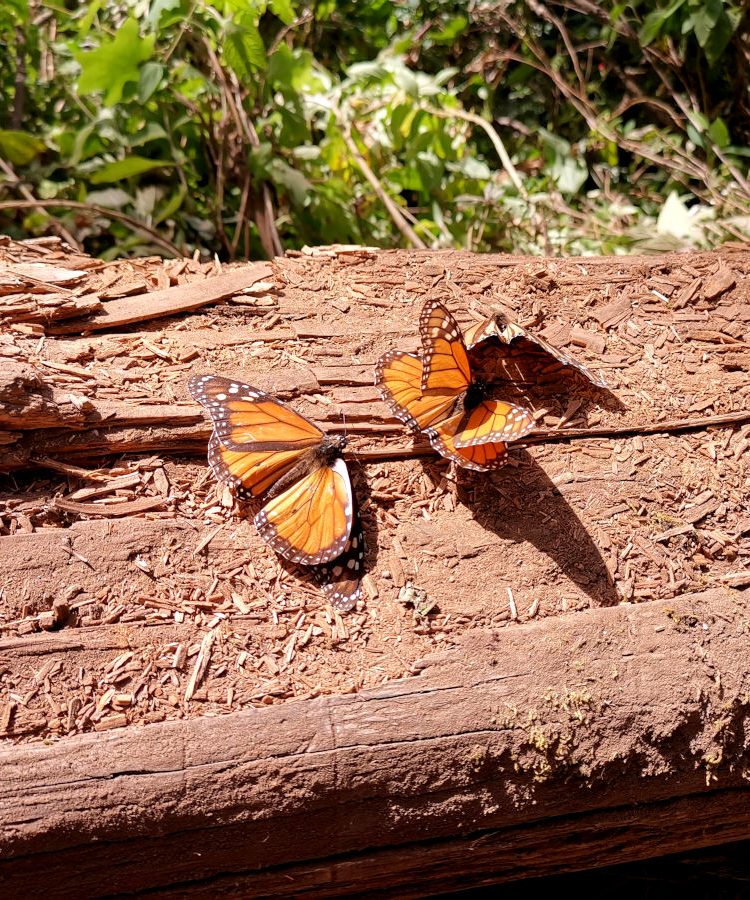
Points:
point(331, 447)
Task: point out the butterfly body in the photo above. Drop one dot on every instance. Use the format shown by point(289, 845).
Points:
point(261, 448)
point(435, 393)
point(330, 449)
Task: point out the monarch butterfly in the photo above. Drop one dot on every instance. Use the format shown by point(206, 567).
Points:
point(261, 447)
point(500, 327)
point(436, 394)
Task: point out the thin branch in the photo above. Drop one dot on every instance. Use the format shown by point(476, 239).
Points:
point(550, 17)
point(99, 211)
point(548, 435)
point(491, 134)
point(38, 205)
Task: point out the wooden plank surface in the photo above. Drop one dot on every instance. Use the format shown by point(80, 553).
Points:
point(552, 735)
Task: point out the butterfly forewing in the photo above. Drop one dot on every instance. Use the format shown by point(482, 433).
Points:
point(248, 473)
point(562, 356)
point(506, 332)
point(243, 415)
point(310, 522)
point(445, 363)
point(399, 376)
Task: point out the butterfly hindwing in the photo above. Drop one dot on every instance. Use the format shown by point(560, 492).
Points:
point(491, 421)
point(480, 458)
point(310, 522)
point(340, 578)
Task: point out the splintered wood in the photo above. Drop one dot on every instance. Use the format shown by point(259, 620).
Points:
point(134, 590)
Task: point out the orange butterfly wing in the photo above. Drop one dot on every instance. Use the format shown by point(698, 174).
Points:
point(446, 367)
point(491, 421)
point(257, 442)
point(249, 473)
point(480, 458)
point(399, 376)
point(506, 332)
point(310, 522)
point(243, 415)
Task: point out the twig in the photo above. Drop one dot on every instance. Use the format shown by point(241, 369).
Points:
point(201, 664)
point(265, 219)
point(302, 19)
point(99, 211)
point(550, 17)
point(675, 425)
point(393, 211)
point(491, 134)
point(548, 436)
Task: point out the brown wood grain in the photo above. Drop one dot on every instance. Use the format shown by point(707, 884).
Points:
point(171, 301)
point(545, 748)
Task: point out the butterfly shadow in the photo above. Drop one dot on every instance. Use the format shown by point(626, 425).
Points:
point(520, 503)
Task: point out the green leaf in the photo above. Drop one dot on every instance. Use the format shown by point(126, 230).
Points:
point(450, 31)
point(656, 20)
point(289, 68)
point(569, 174)
point(471, 167)
point(694, 135)
point(20, 148)
point(719, 133)
point(158, 7)
point(127, 168)
point(84, 26)
point(283, 9)
point(430, 170)
point(295, 182)
point(713, 28)
point(115, 63)
point(151, 75)
point(244, 50)
point(152, 132)
point(171, 206)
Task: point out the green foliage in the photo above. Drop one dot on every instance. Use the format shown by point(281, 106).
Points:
point(197, 118)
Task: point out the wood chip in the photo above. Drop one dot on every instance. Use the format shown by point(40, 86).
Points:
point(201, 664)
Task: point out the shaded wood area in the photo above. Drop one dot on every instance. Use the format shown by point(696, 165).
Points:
point(548, 671)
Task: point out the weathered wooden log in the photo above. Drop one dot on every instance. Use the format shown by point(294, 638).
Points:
point(290, 751)
point(602, 737)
